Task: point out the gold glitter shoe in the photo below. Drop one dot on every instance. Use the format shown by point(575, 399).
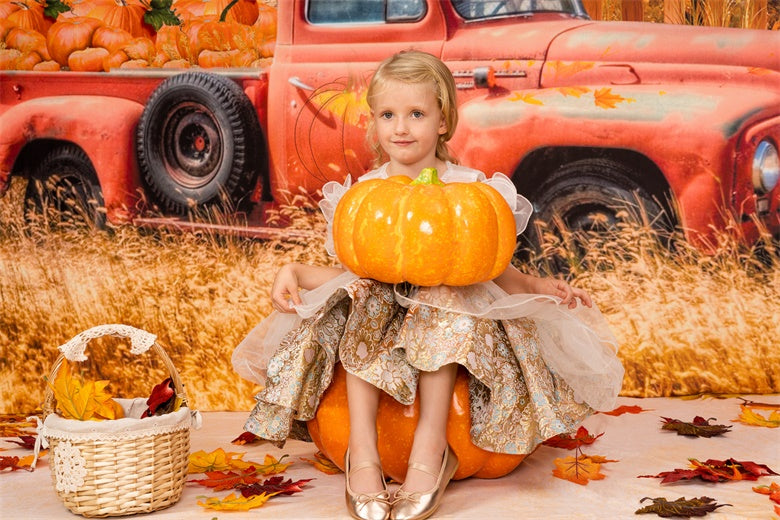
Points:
point(366, 506)
point(418, 506)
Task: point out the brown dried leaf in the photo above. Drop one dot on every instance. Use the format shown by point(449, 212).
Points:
point(699, 427)
point(680, 507)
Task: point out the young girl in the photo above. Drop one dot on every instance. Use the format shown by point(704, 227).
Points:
point(538, 363)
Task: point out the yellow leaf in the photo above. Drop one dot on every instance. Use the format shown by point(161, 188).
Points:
point(233, 502)
point(201, 462)
point(606, 99)
point(349, 105)
point(82, 400)
point(563, 69)
point(573, 91)
point(753, 418)
point(74, 397)
point(579, 470)
point(525, 98)
point(323, 463)
point(272, 466)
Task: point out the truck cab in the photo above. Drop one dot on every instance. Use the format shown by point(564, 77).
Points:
point(673, 126)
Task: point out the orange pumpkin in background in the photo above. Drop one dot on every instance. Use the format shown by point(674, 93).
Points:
point(6, 8)
point(87, 60)
point(243, 11)
point(172, 41)
point(70, 34)
point(123, 14)
point(30, 16)
point(213, 35)
point(111, 38)
point(265, 25)
point(27, 40)
point(424, 232)
point(395, 432)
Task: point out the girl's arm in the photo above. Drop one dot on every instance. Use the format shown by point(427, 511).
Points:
point(292, 277)
point(516, 282)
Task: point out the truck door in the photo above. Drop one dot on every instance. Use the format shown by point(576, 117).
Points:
point(321, 77)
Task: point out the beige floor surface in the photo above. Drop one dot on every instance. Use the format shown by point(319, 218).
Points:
point(530, 492)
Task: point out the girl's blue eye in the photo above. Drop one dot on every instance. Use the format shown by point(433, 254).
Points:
point(386, 115)
point(417, 114)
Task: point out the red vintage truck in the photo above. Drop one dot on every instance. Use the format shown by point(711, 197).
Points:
point(683, 122)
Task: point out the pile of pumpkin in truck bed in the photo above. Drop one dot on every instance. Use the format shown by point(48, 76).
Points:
point(101, 35)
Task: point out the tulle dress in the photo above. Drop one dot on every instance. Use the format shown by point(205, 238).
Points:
point(536, 369)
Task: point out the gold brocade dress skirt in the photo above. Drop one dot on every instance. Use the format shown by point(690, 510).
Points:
point(517, 400)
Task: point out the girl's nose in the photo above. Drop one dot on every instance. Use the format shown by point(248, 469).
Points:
point(400, 126)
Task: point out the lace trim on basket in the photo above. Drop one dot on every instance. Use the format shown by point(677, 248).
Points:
point(140, 340)
point(119, 429)
point(112, 436)
point(69, 467)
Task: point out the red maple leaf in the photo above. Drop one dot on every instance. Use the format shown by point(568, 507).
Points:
point(246, 438)
point(569, 442)
point(713, 470)
point(620, 410)
point(28, 441)
point(161, 400)
point(276, 485)
point(222, 480)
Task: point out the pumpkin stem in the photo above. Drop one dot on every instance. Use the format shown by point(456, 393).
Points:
point(224, 12)
point(428, 176)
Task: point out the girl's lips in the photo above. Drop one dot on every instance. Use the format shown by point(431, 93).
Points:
point(402, 143)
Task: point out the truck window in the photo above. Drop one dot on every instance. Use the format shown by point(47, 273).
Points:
point(480, 9)
point(364, 11)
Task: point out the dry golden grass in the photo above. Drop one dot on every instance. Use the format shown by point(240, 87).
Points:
point(687, 323)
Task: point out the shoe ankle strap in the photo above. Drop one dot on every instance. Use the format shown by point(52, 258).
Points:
point(425, 468)
point(365, 464)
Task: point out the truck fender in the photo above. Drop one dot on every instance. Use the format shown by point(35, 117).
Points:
point(688, 134)
point(102, 126)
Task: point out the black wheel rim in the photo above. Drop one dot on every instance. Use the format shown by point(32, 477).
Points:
point(192, 145)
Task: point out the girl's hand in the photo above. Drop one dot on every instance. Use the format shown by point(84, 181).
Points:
point(568, 294)
point(284, 292)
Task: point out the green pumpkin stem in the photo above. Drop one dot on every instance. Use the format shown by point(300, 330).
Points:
point(428, 176)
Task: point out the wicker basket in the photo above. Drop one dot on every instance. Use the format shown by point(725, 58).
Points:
point(123, 466)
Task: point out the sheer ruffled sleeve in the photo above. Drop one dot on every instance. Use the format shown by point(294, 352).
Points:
point(520, 206)
point(331, 195)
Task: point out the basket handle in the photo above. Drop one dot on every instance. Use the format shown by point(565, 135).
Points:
point(141, 341)
point(74, 350)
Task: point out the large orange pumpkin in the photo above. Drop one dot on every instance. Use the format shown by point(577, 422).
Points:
point(424, 232)
point(395, 430)
point(70, 34)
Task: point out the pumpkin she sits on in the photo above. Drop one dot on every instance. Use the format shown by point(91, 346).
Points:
point(424, 232)
point(395, 432)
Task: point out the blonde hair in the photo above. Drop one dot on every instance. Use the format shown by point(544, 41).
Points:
point(416, 67)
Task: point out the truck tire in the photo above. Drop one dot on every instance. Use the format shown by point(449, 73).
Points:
point(592, 195)
point(198, 143)
point(63, 187)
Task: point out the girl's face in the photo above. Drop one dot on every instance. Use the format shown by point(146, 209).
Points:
point(408, 123)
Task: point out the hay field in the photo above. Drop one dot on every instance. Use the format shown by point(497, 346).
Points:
point(687, 323)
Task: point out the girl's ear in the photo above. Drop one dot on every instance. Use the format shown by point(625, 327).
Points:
point(443, 125)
